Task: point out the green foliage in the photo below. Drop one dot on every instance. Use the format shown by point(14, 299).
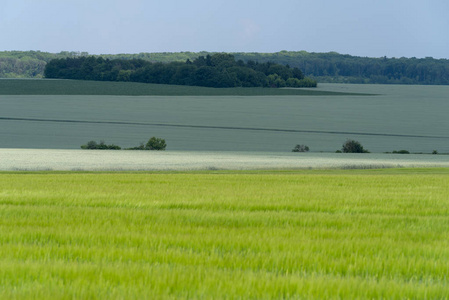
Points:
point(301, 148)
point(28, 64)
point(93, 145)
point(341, 68)
point(274, 80)
point(434, 152)
point(218, 70)
point(351, 146)
point(401, 152)
point(324, 67)
point(155, 143)
point(140, 147)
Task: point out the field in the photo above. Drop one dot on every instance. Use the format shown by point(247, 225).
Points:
point(389, 118)
point(228, 211)
point(83, 160)
point(298, 234)
point(80, 87)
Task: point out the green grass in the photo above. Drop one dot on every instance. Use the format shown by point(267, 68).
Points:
point(80, 87)
point(295, 234)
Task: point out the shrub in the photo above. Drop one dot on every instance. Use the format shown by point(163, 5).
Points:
point(401, 152)
point(435, 152)
point(140, 147)
point(90, 145)
point(300, 148)
point(155, 144)
point(93, 145)
point(351, 146)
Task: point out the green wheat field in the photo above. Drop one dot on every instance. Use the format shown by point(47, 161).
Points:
point(82, 87)
point(352, 234)
point(65, 114)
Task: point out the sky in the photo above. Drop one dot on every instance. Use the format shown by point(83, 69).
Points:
point(373, 28)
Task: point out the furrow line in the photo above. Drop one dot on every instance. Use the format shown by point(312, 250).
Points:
point(222, 127)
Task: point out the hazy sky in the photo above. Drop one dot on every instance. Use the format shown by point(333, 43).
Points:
point(375, 28)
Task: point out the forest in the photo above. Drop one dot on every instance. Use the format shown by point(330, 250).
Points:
point(323, 67)
point(218, 70)
point(339, 68)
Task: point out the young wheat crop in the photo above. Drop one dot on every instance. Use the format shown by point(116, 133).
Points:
point(296, 234)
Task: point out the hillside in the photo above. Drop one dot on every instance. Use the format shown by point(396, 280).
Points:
point(324, 67)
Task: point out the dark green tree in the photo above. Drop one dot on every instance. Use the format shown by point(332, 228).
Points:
point(155, 143)
point(301, 148)
point(352, 146)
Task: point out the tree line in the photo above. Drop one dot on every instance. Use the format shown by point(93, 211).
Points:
point(28, 64)
point(323, 67)
point(153, 143)
point(335, 67)
point(219, 70)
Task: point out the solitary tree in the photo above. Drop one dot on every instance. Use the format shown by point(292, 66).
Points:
point(300, 148)
point(351, 146)
point(155, 144)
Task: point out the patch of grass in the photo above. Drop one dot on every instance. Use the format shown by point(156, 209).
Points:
point(80, 87)
point(294, 234)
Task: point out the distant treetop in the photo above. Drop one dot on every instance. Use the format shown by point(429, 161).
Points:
point(323, 67)
point(219, 70)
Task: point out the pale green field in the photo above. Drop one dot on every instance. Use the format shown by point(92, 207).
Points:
point(300, 234)
point(112, 160)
